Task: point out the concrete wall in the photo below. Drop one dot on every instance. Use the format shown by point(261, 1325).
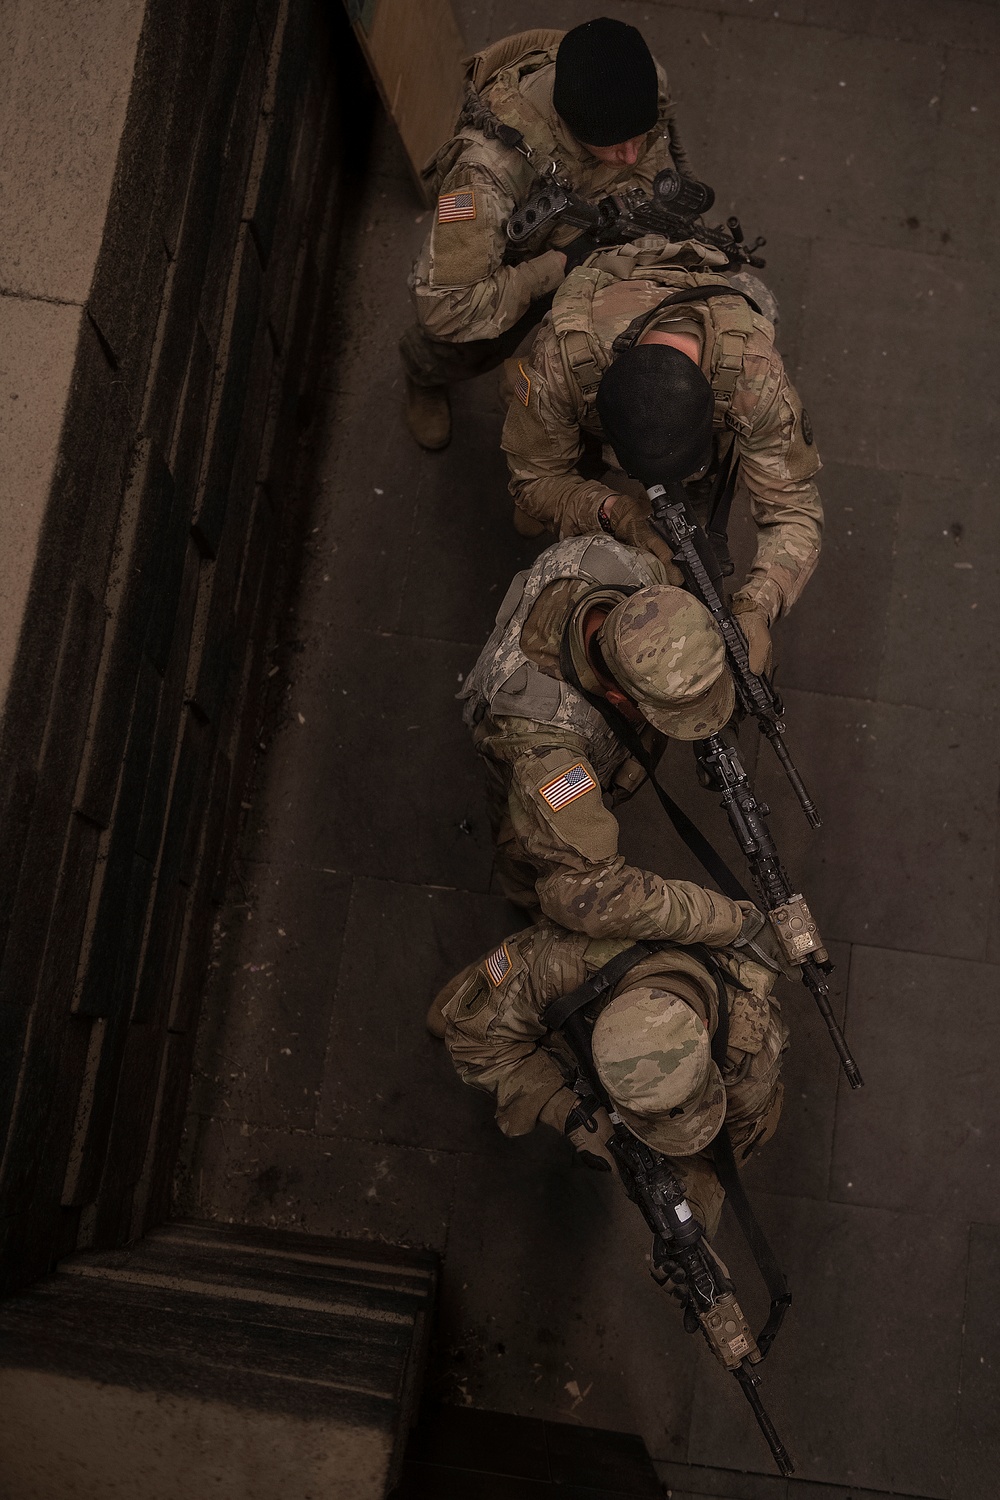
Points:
point(171, 178)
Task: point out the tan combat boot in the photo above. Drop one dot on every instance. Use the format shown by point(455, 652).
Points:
point(428, 414)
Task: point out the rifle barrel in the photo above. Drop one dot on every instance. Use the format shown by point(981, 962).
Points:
point(779, 1452)
point(814, 979)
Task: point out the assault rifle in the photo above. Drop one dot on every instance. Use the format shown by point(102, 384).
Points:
point(674, 210)
point(681, 1254)
point(790, 918)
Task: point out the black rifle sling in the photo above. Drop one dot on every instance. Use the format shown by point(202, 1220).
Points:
point(613, 972)
point(721, 503)
point(728, 1173)
point(707, 855)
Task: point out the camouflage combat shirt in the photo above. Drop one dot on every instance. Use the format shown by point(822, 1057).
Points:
point(552, 762)
point(465, 284)
point(553, 405)
point(499, 1043)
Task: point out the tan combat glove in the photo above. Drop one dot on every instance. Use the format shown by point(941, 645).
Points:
point(756, 626)
point(628, 520)
point(590, 1137)
point(565, 1114)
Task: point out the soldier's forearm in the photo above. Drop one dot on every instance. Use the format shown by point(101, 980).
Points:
point(566, 504)
point(486, 309)
point(521, 1076)
point(617, 900)
point(785, 560)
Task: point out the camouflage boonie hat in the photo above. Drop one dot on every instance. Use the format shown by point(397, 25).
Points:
point(653, 1055)
point(664, 649)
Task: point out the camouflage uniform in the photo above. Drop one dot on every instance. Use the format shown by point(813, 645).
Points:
point(553, 406)
point(498, 1042)
point(550, 759)
point(474, 301)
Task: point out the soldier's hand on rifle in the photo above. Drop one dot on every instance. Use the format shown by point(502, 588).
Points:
point(756, 627)
point(588, 1128)
point(627, 519)
point(753, 921)
point(590, 1132)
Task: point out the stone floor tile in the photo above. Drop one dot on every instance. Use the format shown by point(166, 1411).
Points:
point(850, 16)
point(833, 639)
point(959, 23)
point(475, 21)
point(358, 553)
point(685, 1481)
point(386, 1078)
point(862, 1391)
point(788, 260)
point(372, 771)
point(798, 109)
point(366, 492)
point(319, 1184)
point(369, 317)
point(963, 215)
point(908, 800)
point(464, 548)
point(977, 1444)
point(797, 1161)
point(270, 997)
point(547, 1308)
point(925, 1129)
point(894, 373)
point(944, 604)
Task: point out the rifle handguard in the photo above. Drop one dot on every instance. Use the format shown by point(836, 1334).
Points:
point(796, 929)
point(728, 1333)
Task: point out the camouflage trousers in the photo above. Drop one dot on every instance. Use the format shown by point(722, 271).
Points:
point(428, 361)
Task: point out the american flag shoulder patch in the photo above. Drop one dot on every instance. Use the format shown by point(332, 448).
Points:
point(498, 964)
point(453, 206)
point(522, 385)
point(567, 786)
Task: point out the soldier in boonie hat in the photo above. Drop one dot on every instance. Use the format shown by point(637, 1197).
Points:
point(654, 1057)
point(651, 1045)
point(663, 649)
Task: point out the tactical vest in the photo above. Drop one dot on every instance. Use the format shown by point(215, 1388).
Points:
point(753, 1026)
point(505, 681)
point(493, 94)
point(728, 324)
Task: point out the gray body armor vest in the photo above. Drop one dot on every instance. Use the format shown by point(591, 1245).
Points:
point(505, 681)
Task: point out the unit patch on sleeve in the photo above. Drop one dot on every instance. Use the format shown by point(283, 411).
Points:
point(567, 786)
point(522, 385)
point(498, 964)
point(452, 206)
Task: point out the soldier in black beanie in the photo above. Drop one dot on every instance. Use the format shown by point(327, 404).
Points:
point(591, 104)
point(606, 87)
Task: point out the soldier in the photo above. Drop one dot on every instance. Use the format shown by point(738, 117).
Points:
point(590, 107)
point(652, 1046)
point(593, 610)
point(698, 363)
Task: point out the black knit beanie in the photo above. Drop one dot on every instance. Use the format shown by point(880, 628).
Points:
point(606, 87)
point(656, 408)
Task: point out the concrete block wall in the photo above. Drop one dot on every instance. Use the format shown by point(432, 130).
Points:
point(174, 176)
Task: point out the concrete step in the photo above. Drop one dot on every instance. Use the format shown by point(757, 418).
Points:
point(216, 1360)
